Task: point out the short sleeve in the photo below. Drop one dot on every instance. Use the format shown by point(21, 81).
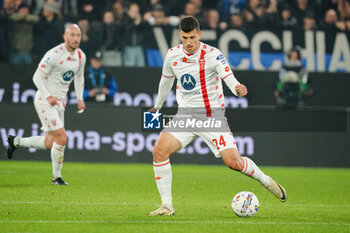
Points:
point(221, 65)
point(47, 62)
point(167, 71)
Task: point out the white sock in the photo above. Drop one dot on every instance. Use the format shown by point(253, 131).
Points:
point(37, 142)
point(250, 169)
point(163, 177)
point(57, 154)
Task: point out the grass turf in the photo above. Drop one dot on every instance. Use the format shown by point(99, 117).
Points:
point(116, 198)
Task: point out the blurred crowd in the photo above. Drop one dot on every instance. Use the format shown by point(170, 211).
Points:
point(119, 28)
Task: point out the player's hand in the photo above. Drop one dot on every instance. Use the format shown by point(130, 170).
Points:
point(52, 100)
point(241, 90)
point(152, 110)
point(81, 106)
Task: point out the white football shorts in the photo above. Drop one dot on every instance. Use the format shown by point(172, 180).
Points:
point(216, 141)
point(51, 117)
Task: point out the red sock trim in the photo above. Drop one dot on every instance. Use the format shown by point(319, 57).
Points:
point(160, 165)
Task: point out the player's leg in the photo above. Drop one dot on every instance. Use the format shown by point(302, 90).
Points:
point(245, 165)
point(59, 139)
point(165, 145)
point(37, 142)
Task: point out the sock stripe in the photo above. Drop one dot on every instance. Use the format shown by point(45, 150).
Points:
point(161, 164)
point(58, 149)
point(245, 165)
point(251, 174)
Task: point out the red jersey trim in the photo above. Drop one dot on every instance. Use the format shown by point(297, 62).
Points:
point(168, 76)
point(227, 76)
point(203, 84)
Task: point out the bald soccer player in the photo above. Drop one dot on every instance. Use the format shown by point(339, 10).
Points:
point(55, 72)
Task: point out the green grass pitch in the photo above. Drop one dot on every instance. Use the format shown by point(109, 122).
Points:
point(116, 198)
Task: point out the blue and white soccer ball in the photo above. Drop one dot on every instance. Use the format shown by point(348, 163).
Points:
point(245, 204)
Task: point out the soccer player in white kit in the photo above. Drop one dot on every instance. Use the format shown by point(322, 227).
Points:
point(199, 69)
point(55, 72)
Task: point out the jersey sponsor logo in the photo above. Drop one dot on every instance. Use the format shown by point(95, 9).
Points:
point(67, 76)
point(188, 82)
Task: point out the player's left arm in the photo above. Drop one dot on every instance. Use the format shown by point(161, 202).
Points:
point(79, 84)
point(224, 71)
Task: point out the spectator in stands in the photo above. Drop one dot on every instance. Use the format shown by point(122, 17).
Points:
point(118, 11)
point(300, 9)
point(100, 85)
point(211, 20)
point(288, 21)
point(49, 30)
point(110, 33)
point(21, 38)
point(133, 35)
point(157, 17)
point(259, 16)
point(293, 87)
point(192, 9)
point(8, 8)
point(69, 9)
point(331, 23)
point(92, 9)
point(236, 21)
point(228, 8)
point(90, 41)
point(309, 21)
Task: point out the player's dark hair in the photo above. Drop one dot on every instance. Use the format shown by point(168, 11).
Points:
point(188, 24)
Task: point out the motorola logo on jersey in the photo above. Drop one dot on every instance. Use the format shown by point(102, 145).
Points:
point(188, 82)
point(68, 75)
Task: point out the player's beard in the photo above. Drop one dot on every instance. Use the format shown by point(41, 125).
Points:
point(73, 45)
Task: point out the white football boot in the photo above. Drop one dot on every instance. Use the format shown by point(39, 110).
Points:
point(276, 189)
point(162, 210)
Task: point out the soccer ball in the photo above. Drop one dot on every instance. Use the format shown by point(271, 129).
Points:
point(245, 204)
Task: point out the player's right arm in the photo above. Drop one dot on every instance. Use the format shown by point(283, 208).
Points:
point(39, 78)
point(166, 82)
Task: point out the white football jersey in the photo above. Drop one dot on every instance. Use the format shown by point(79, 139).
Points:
point(60, 67)
point(198, 76)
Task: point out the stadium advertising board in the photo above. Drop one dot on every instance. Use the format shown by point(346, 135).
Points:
point(105, 133)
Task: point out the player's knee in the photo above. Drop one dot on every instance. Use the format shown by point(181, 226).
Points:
point(61, 139)
point(48, 145)
point(48, 142)
point(159, 154)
